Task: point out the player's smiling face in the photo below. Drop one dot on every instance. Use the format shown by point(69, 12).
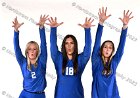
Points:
point(32, 51)
point(69, 46)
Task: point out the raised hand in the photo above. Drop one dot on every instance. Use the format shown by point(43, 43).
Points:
point(16, 24)
point(42, 20)
point(87, 24)
point(126, 17)
point(102, 15)
point(53, 22)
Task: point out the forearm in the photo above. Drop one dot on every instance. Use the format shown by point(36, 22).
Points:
point(98, 38)
point(17, 49)
point(53, 43)
point(42, 36)
point(87, 47)
point(120, 48)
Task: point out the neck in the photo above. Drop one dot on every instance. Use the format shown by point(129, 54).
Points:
point(32, 61)
point(69, 56)
point(106, 59)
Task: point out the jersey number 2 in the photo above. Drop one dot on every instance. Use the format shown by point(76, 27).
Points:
point(33, 74)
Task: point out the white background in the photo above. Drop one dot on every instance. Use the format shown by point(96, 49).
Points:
point(71, 12)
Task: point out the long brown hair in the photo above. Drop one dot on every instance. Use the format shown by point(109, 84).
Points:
point(26, 53)
point(107, 67)
point(74, 55)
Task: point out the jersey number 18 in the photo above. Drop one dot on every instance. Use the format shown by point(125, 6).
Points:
point(69, 70)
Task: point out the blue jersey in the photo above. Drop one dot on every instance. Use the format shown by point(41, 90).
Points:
point(69, 85)
point(34, 80)
point(102, 86)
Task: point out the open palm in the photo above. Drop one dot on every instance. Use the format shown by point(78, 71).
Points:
point(16, 24)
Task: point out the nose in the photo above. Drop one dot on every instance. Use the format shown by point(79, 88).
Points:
point(32, 50)
point(69, 45)
point(108, 49)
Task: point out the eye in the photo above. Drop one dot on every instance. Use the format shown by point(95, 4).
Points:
point(110, 47)
point(72, 42)
point(66, 43)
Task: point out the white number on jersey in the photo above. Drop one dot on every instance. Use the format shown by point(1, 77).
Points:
point(33, 75)
point(69, 70)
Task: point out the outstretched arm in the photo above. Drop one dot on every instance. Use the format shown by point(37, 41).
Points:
point(96, 49)
point(85, 55)
point(102, 18)
point(18, 53)
point(43, 47)
point(120, 49)
point(53, 37)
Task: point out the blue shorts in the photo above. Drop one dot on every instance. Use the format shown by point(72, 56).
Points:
point(26, 94)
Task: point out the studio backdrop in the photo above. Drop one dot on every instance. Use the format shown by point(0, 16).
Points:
point(71, 12)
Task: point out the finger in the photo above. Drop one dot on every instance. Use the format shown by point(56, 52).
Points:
point(100, 11)
point(40, 16)
point(61, 23)
point(16, 18)
point(21, 23)
point(127, 13)
point(92, 25)
point(48, 24)
point(81, 25)
point(52, 19)
point(131, 17)
point(105, 10)
point(124, 13)
point(43, 16)
point(130, 14)
point(121, 19)
point(89, 19)
point(16, 21)
point(39, 23)
point(92, 20)
point(98, 14)
point(109, 15)
point(55, 19)
point(86, 19)
point(13, 22)
point(47, 17)
point(49, 20)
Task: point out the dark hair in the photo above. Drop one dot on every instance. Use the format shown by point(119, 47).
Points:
point(101, 49)
point(107, 67)
point(74, 55)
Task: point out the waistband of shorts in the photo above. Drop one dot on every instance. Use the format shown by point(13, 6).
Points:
point(38, 92)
